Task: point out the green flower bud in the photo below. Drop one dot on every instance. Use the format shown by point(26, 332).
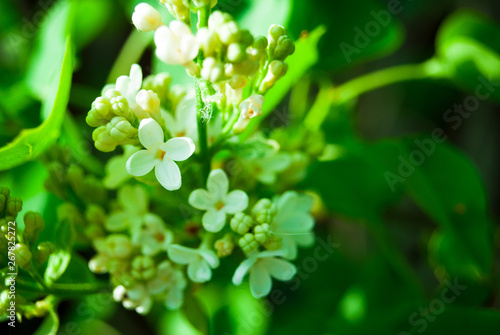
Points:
point(275, 32)
point(44, 250)
point(103, 141)
point(264, 211)
point(260, 43)
point(3, 200)
point(209, 41)
point(212, 70)
point(178, 9)
point(228, 32)
point(248, 243)
point(14, 206)
point(120, 106)
point(262, 232)
point(143, 268)
point(75, 176)
point(284, 48)
point(236, 52)
point(33, 226)
point(245, 38)
point(241, 223)
point(23, 255)
point(120, 129)
point(273, 243)
point(5, 191)
point(95, 214)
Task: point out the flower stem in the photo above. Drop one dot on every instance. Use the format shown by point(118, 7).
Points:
point(63, 289)
point(202, 132)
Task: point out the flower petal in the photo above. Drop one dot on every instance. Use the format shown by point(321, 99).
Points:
point(210, 257)
point(189, 47)
point(294, 222)
point(242, 270)
point(279, 268)
point(169, 175)
point(213, 220)
point(199, 271)
point(260, 281)
point(167, 46)
point(135, 79)
point(218, 183)
point(134, 199)
point(150, 134)
point(122, 85)
point(140, 163)
point(201, 199)
point(182, 255)
point(289, 247)
point(179, 29)
point(236, 201)
point(178, 148)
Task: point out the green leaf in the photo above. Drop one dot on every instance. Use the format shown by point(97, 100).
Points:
point(468, 44)
point(381, 33)
point(195, 314)
point(448, 187)
point(30, 143)
point(299, 63)
point(89, 18)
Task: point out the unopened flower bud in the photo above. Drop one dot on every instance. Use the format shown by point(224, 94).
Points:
point(262, 232)
point(143, 268)
point(149, 102)
point(264, 211)
point(160, 84)
point(248, 243)
point(146, 18)
point(178, 9)
point(284, 48)
point(23, 255)
point(103, 141)
point(33, 226)
point(260, 43)
point(14, 206)
point(209, 41)
point(119, 246)
point(236, 52)
point(44, 250)
point(275, 32)
point(241, 223)
point(212, 70)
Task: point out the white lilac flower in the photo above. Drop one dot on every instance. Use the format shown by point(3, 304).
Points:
point(263, 266)
point(129, 86)
point(151, 235)
point(169, 281)
point(200, 262)
point(249, 108)
point(146, 18)
point(184, 121)
point(293, 223)
point(134, 202)
point(176, 45)
point(217, 202)
point(116, 170)
point(137, 298)
point(160, 155)
point(115, 247)
point(266, 168)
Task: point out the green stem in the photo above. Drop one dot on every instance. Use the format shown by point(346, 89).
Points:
point(372, 81)
point(130, 53)
point(33, 273)
point(62, 289)
point(202, 132)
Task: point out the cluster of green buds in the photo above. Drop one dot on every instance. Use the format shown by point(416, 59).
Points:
point(68, 180)
point(256, 228)
point(116, 123)
point(180, 9)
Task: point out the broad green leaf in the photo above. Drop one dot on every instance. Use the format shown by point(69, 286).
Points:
point(89, 19)
point(30, 143)
point(299, 63)
point(448, 187)
point(356, 30)
point(468, 47)
point(195, 314)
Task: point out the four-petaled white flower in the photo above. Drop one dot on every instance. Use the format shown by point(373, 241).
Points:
point(134, 202)
point(160, 155)
point(146, 18)
point(129, 86)
point(262, 266)
point(217, 202)
point(184, 121)
point(293, 222)
point(249, 108)
point(200, 262)
point(151, 235)
point(170, 282)
point(176, 44)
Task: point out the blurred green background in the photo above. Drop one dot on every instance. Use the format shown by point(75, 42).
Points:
point(398, 252)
